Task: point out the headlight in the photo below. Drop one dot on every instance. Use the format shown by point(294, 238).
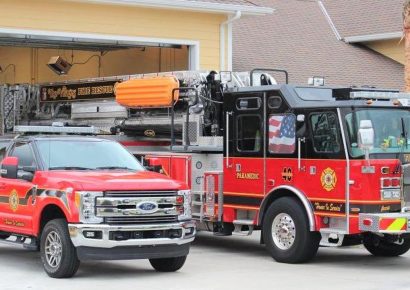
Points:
point(185, 214)
point(85, 201)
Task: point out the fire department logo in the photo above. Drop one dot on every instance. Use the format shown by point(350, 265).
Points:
point(14, 200)
point(328, 179)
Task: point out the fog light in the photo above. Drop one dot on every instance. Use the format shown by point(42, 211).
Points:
point(189, 231)
point(93, 234)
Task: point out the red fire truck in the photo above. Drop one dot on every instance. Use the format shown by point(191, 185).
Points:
point(308, 166)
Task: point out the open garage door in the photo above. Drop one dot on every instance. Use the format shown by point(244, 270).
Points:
point(24, 55)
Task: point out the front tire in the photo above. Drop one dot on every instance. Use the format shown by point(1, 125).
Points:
point(286, 232)
point(380, 247)
point(58, 254)
point(168, 264)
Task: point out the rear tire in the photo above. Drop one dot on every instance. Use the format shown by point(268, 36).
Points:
point(168, 264)
point(58, 254)
point(286, 232)
point(382, 248)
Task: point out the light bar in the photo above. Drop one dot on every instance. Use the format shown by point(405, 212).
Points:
point(57, 130)
point(379, 95)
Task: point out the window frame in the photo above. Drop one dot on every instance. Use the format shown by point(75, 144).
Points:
point(30, 144)
point(237, 131)
point(338, 133)
point(259, 100)
point(275, 97)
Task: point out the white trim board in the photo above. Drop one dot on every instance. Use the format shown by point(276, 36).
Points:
point(373, 37)
point(203, 6)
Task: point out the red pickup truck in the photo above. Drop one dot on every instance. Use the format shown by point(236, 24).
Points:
point(78, 198)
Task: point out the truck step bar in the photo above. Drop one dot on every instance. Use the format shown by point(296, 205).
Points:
point(27, 242)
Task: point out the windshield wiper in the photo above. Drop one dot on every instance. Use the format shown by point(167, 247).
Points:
point(69, 168)
point(114, 167)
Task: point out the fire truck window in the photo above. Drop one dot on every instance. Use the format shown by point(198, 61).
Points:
point(274, 102)
point(325, 132)
point(249, 137)
point(24, 153)
point(248, 103)
point(282, 134)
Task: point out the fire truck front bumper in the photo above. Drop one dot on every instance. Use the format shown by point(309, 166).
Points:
point(106, 242)
point(385, 223)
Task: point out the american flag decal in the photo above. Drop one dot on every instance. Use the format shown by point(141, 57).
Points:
point(282, 133)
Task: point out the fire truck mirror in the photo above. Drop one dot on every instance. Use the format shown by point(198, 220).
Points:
point(25, 175)
point(9, 167)
point(405, 121)
point(366, 136)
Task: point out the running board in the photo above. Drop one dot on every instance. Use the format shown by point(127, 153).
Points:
point(332, 237)
point(27, 242)
point(238, 227)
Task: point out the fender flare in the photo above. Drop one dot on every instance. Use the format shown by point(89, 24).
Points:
point(296, 192)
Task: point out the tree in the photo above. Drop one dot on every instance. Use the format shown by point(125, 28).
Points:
point(406, 30)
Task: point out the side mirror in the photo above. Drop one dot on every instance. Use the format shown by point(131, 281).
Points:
point(9, 167)
point(365, 136)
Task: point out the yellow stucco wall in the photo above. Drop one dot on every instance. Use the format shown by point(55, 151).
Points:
point(391, 48)
point(67, 16)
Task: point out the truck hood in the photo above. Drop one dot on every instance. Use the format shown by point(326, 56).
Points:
point(107, 180)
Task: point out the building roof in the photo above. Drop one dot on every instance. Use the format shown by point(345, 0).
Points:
point(215, 6)
point(299, 38)
point(366, 17)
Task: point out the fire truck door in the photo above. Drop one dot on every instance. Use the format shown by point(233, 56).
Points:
point(244, 162)
point(281, 143)
point(324, 163)
point(17, 194)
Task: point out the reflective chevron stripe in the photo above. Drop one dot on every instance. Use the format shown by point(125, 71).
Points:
point(393, 224)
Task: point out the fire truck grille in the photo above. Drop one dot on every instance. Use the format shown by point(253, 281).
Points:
point(140, 220)
point(138, 207)
point(406, 182)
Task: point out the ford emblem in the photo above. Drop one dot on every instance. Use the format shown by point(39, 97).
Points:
point(147, 206)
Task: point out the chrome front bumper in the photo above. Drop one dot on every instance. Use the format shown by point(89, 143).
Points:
point(79, 239)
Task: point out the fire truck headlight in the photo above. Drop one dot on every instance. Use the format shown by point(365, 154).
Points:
point(85, 202)
point(185, 213)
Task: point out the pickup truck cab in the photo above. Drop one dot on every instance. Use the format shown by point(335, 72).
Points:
point(79, 198)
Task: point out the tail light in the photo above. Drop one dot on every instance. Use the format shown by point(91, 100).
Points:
point(390, 182)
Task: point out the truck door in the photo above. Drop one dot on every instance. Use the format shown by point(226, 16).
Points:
point(324, 163)
point(244, 151)
point(17, 194)
point(281, 147)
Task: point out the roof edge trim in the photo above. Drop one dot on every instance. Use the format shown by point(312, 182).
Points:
point(373, 37)
point(187, 5)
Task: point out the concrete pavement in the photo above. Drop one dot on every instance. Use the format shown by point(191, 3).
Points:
point(216, 263)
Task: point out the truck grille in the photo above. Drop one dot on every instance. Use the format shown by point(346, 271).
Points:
point(124, 207)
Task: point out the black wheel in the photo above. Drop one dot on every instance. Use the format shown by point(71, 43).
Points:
point(168, 264)
point(378, 246)
point(58, 254)
point(286, 232)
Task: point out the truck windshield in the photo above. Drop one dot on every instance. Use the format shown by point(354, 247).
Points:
point(387, 126)
point(86, 155)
